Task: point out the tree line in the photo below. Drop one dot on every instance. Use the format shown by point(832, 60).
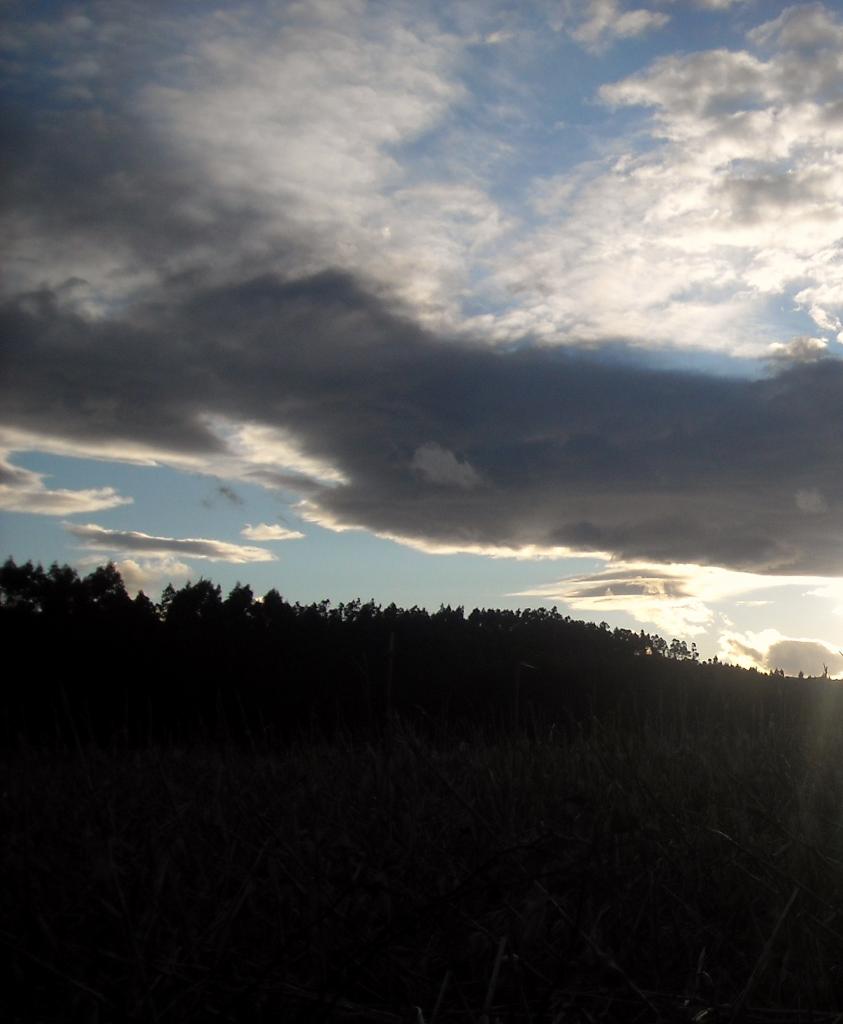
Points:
point(86, 662)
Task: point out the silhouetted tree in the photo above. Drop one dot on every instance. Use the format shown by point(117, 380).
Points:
point(104, 589)
point(195, 664)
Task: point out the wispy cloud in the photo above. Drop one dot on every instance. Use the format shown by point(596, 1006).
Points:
point(100, 538)
point(22, 490)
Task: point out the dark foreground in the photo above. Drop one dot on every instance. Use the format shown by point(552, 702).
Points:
point(647, 874)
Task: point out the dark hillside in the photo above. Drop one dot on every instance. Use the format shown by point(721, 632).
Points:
point(198, 665)
point(240, 810)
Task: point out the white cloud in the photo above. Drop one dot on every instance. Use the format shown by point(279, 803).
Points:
point(147, 574)
point(653, 594)
point(304, 121)
point(598, 23)
point(801, 27)
point(830, 590)
point(22, 490)
point(727, 200)
point(440, 466)
point(269, 531)
point(101, 539)
point(252, 448)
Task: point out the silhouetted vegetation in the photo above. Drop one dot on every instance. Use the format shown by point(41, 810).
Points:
point(97, 665)
point(229, 809)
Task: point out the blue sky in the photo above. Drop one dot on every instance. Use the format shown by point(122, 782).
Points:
point(471, 303)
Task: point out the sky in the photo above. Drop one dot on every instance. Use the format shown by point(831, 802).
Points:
point(470, 302)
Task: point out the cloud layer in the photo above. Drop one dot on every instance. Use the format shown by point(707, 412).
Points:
point(529, 446)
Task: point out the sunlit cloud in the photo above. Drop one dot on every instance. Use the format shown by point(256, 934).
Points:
point(675, 598)
point(804, 349)
point(831, 591)
point(252, 447)
point(270, 531)
point(769, 651)
point(149, 574)
point(104, 448)
point(727, 200)
point(22, 490)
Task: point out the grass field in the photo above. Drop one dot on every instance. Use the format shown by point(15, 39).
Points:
point(642, 874)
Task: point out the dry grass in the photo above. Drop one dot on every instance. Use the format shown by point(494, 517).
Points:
point(606, 876)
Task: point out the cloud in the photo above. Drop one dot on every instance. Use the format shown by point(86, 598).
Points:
point(596, 24)
point(256, 253)
point(803, 349)
point(677, 599)
point(269, 531)
point(260, 137)
point(439, 466)
point(746, 155)
point(812, 657)
point(291, 139)
point(148, 574)
point(266, 449)
point(801, 28)
point(575, 452)
point(98, 537)
point(724, 200)
point(229, 494)
point(769, 650)
point(22, 490)
point(812, 501)
point(650, 594)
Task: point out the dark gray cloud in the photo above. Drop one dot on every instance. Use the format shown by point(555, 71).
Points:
point(229, 494)
point(808, 656)
point(559, 448)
